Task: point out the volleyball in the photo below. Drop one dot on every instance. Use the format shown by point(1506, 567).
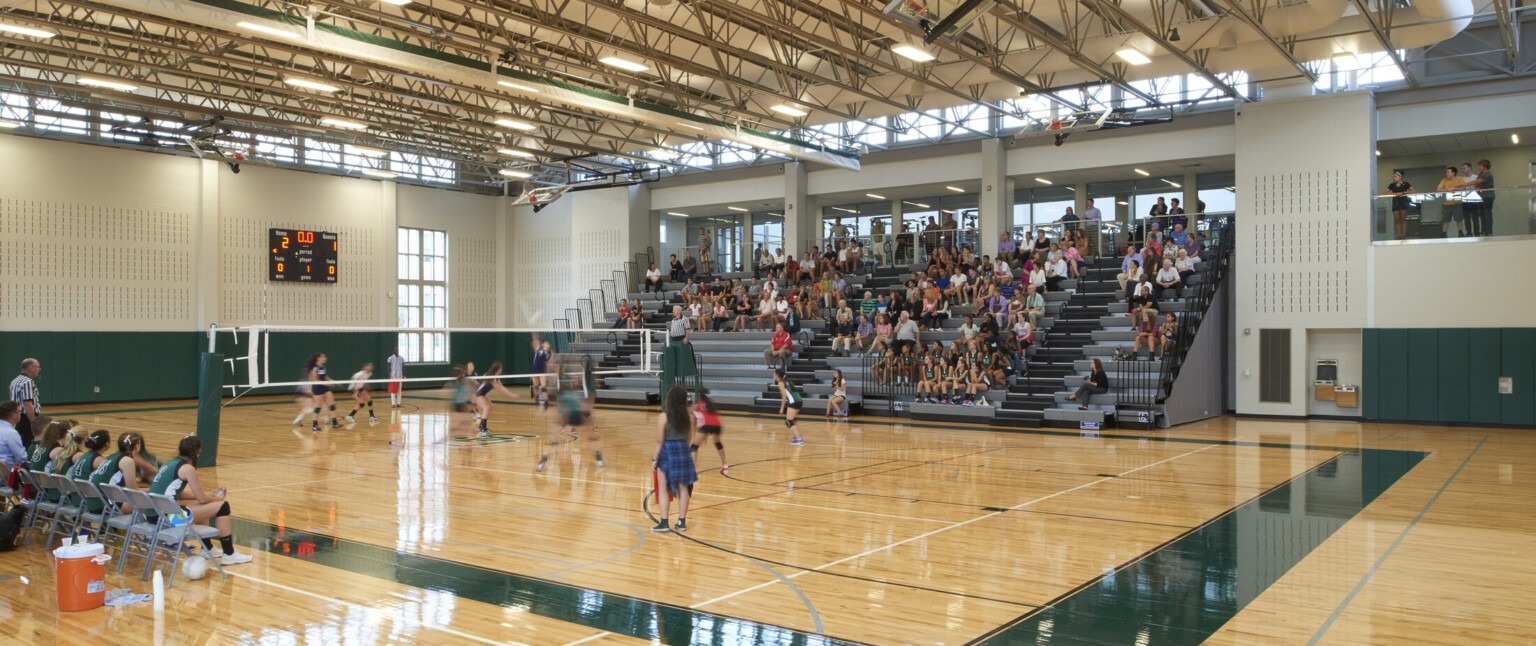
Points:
point(195, 567)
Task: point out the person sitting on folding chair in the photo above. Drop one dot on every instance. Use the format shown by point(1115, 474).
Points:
point(177, 478)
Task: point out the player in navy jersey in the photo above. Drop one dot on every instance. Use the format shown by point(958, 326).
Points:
point(541, 356)
point(320, 390)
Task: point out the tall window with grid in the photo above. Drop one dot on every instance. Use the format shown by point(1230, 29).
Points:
point(423, 309)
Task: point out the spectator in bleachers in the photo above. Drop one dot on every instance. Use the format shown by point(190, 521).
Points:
point(778, 259)
point(805, 304)
point(807, 268)
point(623, 310)
point(698, 313)
point(1178, 236)
point(689, 292)
point(1057, 272)
point(719, 314)
point(1042, 243)
point(780, 348)
point(1184, 265)
point(674, 268)
point(1006, 248)
point(1034, 306)
point(843, 333)
point(1037, 277)
point(864, 333)
point(1169, 332)
point(1097, 383)
point(968, 329)
point(1485, 191)
point(1175, 212)
point(764, 263)
point(1168, 279)
point(1158, 209)
point(1132, 273)
point(839, 287)
point(997, 305)
point(868, 305)
point(652, 279)
point(678, 328)
point(1139, 296)
point(930, 317)
point(743, 311)
point(883, 330)
point(855, 256)
point(1074, 258)
point(1146, 332)
point(690, 265)
point(906, 332)
point(843, 311)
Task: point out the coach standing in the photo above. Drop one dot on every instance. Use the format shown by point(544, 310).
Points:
point(24, 392)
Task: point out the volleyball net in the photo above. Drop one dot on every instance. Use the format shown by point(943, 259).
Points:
point(271, 359)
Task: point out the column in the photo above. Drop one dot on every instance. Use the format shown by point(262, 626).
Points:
point(802, 220)
point(996, 199)
point(1191, 197)
point(389, 222)
point(208, 270)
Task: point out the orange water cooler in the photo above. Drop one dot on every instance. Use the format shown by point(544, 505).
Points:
point(82, 576)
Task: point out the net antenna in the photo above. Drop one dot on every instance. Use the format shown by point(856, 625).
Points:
point(254, 345)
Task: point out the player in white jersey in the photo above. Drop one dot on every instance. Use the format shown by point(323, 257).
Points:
point(396, 365)
point(360, 393)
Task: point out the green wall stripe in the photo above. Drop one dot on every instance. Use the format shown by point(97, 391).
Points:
point(1423, 366)
point(1452, 388)
point(1449, 375)
point(1519, 364)
point(1486, 349)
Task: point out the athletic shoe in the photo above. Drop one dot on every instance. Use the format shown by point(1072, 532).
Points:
point(315, 428)
point(724, 468)
point(661, 526)
point(298, 421)
point(797, 441)
point(484, 432)
point(373, 420)
point(335, 424)
point(349, 419)
point(682, 525)
point(540, 467)
point(234, 559)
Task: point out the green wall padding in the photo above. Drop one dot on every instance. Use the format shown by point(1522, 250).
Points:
point(1449, 375)
point(1453, 390)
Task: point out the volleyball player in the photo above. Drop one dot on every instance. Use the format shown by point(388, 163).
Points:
point(672, 461)
point(575, 411)
point(540, 383)
point(708, 422)
point(482, 397)
point(790, 402)
point(177, 478)
point(121, 468)
point(461, 394)
point(314, 372)
point(359, 391)
point(396, 365)
point(305, 398)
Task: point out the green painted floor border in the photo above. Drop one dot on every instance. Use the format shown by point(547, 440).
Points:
point(1183, 591)
point(606, 611)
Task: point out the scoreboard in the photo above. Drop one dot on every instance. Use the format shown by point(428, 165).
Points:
point(301, 256)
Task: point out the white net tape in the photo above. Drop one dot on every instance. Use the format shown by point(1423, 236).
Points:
point(249, 349)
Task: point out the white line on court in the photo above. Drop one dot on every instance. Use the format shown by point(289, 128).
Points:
point(945, 529)
point(716, 495)
point(372, 611)
point(584, 640)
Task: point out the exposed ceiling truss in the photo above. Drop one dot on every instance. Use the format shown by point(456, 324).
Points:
point(748, 79)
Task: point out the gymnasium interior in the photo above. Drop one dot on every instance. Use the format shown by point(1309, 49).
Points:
point(1151, 322)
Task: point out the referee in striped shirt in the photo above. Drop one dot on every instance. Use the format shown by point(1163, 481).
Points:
point(24, 392)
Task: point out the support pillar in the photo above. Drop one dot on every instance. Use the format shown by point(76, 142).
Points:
point(801, 217)
point(996, 198)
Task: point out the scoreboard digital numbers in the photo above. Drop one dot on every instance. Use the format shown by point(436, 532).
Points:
point(302, 256)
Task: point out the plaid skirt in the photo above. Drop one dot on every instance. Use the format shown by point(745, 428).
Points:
point(676, 462)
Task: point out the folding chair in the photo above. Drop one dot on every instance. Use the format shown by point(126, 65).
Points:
point(98, 520)
point(66, 515)
point(6, 493)
point(41, 510)
point(121, 525)
point(141, 532)
point(172, 541)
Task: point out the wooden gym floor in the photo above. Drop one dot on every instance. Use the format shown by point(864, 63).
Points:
point(1230, 531)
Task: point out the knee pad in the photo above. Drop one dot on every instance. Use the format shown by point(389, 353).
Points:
point(789, 423)
point(223, 510)
point(719, 446)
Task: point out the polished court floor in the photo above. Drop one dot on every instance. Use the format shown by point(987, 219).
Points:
point(1231, 531)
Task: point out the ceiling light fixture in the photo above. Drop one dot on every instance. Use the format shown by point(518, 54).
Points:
point(1043, 180)
point(381, 174)
point(344, 124)
point(396, 2)
point(681, 215)
point(513, 123)
point(689, 125)
point(518, 86)
point(367, 150)
point(955, 189)
point(115, 85)
point(789, 110)
point(9, 125)
point(917, 204)
point(878, 197)
point(270, 31)
point(1133, 56)
point(623, 64)
point(507, 172)
point(1514, 138)
point(26, 31)
point(1123, 203)
point(313, 85)
point(1142, 172)
point(1173, 183)
point(515, 153)
point(912, 53)
point(737, 208)
point(1346, 61)
point(844, 210)
point(1378, 153)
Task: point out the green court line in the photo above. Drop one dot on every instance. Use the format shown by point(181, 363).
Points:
point(1183, 591)
point(1376, 566)
point(607, 611)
